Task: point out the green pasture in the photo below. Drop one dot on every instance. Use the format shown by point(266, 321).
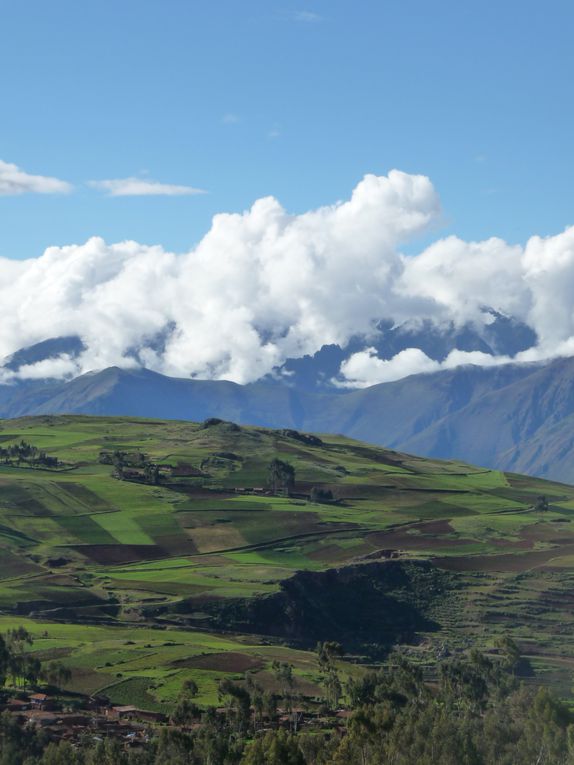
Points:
point(79, 539)
point(148, 667)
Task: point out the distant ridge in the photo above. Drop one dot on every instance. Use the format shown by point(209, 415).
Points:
point(515, 418)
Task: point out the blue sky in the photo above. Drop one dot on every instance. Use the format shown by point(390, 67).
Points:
point(298, 100)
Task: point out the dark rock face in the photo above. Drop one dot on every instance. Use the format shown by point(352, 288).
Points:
point(366, 607)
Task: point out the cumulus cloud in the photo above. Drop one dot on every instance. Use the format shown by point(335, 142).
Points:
point(365, 368)
point(264, 285)
point(14, 181)
point(142, 187)
point(459, 277)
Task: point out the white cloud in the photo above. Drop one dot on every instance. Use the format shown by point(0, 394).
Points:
point(260, 286)
point(230, 119)
point(14, 181)
point(142, 187)
point(58, 367)
point(307, 17)
point(264, 285)
point(460, 277)
point(365, 368)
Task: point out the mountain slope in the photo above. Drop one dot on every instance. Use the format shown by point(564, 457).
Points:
point(367, 546)
point(525, 426)
point(508, 417)
point(393, 413)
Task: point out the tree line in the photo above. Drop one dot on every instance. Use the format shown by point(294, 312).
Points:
point(474, 712)
point(29, 454)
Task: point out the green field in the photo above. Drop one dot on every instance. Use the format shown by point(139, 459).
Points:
point(96, 561)
point(148, 667)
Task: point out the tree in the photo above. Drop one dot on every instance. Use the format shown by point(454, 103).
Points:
point(333, 688)
point(284, 674)
point(174, 747)
point(56, 674)
point(217, 742)
point(118, 461)
point(257, 699)
point(151, 473)
point(18, 638)
point(186, 711)
point(238, 703)
point(108, 752)
point(327, 654)
point(62, 753)
point(511, 655)
point(281, 476)
point(189, 689)
point(276, 748)
point(21, 668)
point(319, 495)
point(4, 661)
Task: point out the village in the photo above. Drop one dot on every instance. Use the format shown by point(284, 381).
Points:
point(86, 720)
point(81, 719)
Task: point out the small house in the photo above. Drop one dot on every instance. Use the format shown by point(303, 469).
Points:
point(42, 701)
point(122, 712)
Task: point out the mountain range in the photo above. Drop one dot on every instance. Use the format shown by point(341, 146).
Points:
point(511, 417)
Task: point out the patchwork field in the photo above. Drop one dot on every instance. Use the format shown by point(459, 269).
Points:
point(96, 559)
point(148, 668)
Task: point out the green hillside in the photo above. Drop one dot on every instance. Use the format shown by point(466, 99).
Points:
point(112, 524)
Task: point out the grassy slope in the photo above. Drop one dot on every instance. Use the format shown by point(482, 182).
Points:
point(129, 546)
point(147, 667)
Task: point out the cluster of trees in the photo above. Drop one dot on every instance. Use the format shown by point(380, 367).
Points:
point(20, 668)
point(541, 505)
point(475, 713)
point(28, 454)
point(281, 477)
point(132, 466)
point(248, 707)
point(319, 495)
point(16, 665)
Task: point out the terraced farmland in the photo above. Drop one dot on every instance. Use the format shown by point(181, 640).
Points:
point(148, 667)
point(439, 552)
